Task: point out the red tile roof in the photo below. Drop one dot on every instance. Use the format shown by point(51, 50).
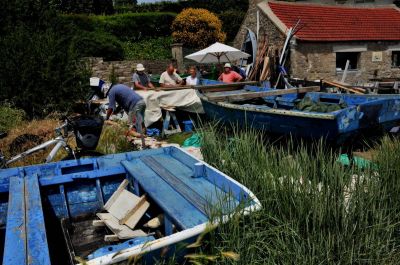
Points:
point(338, 23)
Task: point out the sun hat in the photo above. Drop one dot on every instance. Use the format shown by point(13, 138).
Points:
point(227, 65)
point(140, 67)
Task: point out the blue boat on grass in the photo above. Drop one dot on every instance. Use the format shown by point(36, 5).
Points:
point(302, 112)
point(47, 211)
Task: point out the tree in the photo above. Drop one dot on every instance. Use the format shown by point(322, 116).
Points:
point(197, 28)
point(40, 72)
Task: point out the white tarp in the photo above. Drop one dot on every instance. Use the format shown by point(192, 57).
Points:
point(185, 99)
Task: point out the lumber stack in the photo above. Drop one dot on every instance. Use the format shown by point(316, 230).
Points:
point(265, 61)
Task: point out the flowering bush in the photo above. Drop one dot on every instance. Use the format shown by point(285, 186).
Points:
point(197, 28)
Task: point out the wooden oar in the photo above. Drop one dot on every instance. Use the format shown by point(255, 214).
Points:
point(261, 94)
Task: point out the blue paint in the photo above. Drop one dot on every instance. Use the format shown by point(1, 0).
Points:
point(363, 112)
point(15, 243)
point(38, 250)
point(80, 187)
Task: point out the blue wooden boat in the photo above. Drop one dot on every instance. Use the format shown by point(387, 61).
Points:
point(278, 114)
point(46, 211)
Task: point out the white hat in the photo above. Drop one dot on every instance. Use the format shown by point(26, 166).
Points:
point(139, 67)
point(227, 65)
point(94, 81)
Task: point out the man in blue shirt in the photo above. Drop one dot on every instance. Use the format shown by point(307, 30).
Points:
point(130, 101)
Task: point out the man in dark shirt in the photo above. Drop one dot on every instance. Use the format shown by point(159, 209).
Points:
point(140, 79)
point(130, 101)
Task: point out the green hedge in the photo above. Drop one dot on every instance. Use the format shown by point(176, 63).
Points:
point(128, 26)
point(149, 49)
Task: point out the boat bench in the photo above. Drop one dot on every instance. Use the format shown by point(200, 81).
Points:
point(184, 199)
point(26, 241)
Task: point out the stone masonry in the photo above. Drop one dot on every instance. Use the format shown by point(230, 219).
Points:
point(124, 69)
point(318, 61)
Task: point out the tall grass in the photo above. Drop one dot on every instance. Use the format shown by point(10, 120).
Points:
point(315, 211)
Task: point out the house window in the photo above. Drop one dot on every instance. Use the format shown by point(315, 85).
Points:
point(342, 57)
point(395, 58)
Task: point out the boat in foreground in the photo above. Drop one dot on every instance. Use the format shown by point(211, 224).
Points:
point(47, 211)
point(302, 112)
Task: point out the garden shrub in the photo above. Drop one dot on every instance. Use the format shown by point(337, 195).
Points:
point(149, 49)
point(10, 117)
point(98, 44)
point(197, 28)
point(128, 26)
point(231, 22)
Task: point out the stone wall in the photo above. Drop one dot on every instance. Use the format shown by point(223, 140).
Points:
point(124, 69)
point(318, 61)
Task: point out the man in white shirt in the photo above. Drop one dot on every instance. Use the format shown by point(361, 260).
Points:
point(192, 79)
point(170, 78)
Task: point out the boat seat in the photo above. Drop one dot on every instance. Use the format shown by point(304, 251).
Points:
point(26, 241)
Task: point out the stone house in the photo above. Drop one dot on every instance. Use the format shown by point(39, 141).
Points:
point(330, 35)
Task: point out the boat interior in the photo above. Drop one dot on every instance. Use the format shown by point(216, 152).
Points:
point(53, 207)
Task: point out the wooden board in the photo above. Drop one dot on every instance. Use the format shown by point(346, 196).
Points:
point(222, 87)
point(134, 218)
point(122, 231)
point(115, 195)
point(252, 95)
point(342, 87)
point(123, 204)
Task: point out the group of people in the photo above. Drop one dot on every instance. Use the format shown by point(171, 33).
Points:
point(134, 104)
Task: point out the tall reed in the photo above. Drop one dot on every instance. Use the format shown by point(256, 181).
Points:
point(315, 211)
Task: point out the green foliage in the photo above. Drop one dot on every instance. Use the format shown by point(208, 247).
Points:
point(113, 140)
point(85, 6)
point(149, 49)
point(97, 44)
point(315, 211)
point(40, 73)
point(231, 22)
point(126, 27)
point(10, 117)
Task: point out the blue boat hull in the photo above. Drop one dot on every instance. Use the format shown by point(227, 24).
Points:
point(277, 114)
point(43, 207)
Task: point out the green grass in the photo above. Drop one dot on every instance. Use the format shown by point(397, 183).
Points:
point(315, 211)
point(10, 117)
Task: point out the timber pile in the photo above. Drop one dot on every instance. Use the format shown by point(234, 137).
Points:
point(265, 61)
point(346, 87)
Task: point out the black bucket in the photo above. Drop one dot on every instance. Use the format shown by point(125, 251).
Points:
point(87, 132)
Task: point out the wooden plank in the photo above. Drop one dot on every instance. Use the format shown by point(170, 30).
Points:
point(37, 247)
point(115, 195)
point(98, 223)
point(15, 242)
point(131, 211)
point(342, 87)
point(111, 238)
point(122, 231)
point(252, 95)
point(187, 192)
point(123, 204)
point(135, 218)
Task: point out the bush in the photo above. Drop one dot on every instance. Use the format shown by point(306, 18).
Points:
point(41, 76)
point(128, 26)
point(10, 117)
point(98, 44)
point(150, 49)
point(197, 28)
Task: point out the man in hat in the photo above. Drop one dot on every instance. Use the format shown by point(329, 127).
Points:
point(229, 76)
point(140, 79)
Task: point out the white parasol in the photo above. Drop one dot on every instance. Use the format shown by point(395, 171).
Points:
point(217, 53)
